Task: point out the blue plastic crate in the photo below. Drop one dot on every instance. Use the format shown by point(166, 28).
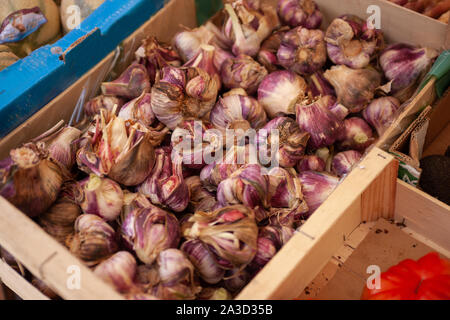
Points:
point(32, 82)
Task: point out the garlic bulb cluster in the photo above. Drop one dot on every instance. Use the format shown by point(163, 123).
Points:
point(193, 168)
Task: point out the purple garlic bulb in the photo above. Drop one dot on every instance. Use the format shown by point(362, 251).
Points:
point(149, 231)
point(200, 199)
point(139, 109)
point(238, 111)
point(292, 141)
point(183, 93)
point(130, 84)
point(165, 185)
point(279, 92)
point(302, 51)
point(351, 42)
point(304, 13)
point(247, 27)
point(344, 161)
point(205, 61)
point(249, 186)
point(404, 65)
point(102, 197)
point(119, 270)
point(230, 233)
point(357, 135)
point(267, 55)
point(311, 163)
point(317, 187)
point(317, 119)
point(121, 150)
point(93, 241)
point(203, 260)
point(93, 106)
point(242, 72)
point(286, 198)
point(155, 56)
point(381, 112)
point(188, 42)
point(354, 88)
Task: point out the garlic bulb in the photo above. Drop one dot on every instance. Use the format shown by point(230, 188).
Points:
point(351, 42)
point(319, 86)
point(381, 112)
point(165, 185)
point(242, 72)
point(357, 134)
point(200, 199)
point(230, 233)
point(149, 231)
point(303, 13)
point(93, 106)
point(29, 180)
point(236, 279)
point(292, 141)
point(280, 91)
point(267, 55)
point(354, 88)
point(238, 111)
point(249, 186)
point(302, 51)
point(311, 163)
point(183, 93)
point(155, 55)
point(247, 26)
point(203, 260)
point(344, 161)
point(131, 83)
point(205, 60)
point(102, 197)
point(316, 188)
point(122, 151)
point(188, 42)
point(94, 239)
point(119, 270)
point(139, 109)
point(317, 119)
point(404, 65)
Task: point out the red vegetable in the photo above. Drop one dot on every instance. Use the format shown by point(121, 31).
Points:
point(425, 279)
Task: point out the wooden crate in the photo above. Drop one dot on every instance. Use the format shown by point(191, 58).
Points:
point(367, 194)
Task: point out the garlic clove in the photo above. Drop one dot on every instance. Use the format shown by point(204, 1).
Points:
point(311, 163)
point(381, 112)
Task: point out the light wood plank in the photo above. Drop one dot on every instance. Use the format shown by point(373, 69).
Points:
point(18, 284)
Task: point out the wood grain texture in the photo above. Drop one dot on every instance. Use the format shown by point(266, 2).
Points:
point(299, 261)
point(18, 284)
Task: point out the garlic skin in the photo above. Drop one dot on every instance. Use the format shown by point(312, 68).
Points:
point(280, 91)
point(155, 55)
point(119, 270)
point(187, 43)
point(102, 197)
point(286, 198)
point(317, 186)
point(29, 180)
point(248, 186)
point(242, 72)
point(292, 141)
point(94, 239)
point(139, 109)
point(183, 93)
point(200, 199)
point(316, 119)
point(404, 65)
point(203, 260)
point(340, 111)
point(237, 111)
point(381, 112)
point(131, 83)
point(354, 88)
point(205, 61)
point(302, 51)
point(93, 106)
point(357, 135)
point(121, 150)
point(319, 86)
point(165, 185)
point(246, 27)
point(344, 161)
point(149, 231)
point(311, 163)
point(236, 279)
point(303, 13)
point(230, 233)
point(267, 55)
point(351, 42)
